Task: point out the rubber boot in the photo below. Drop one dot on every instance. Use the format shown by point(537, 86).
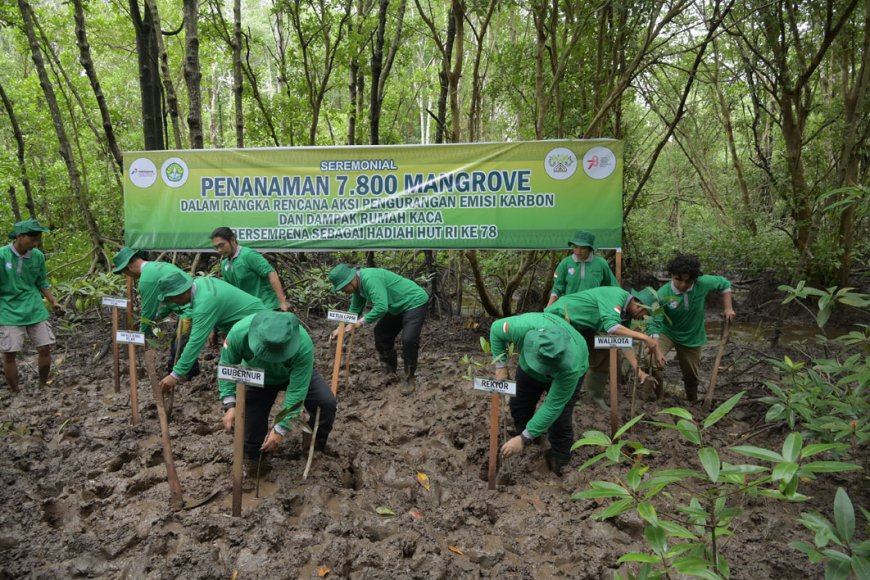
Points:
point(556, 461)
point(410, 382)
point(691, 389)
point(596, 386)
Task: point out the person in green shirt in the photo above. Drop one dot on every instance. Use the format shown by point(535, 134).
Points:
point(553, 360)
point(23, 284)
point(399, 305)
point(680, 325)
point(276, 343)
point(248, 270)
point(213, 304)
point(608, 310)
point(581, 270)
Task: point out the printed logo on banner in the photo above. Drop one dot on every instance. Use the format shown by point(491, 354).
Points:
point(174, 172)
point(599, 162)
point(560, 163)
point(143, 173)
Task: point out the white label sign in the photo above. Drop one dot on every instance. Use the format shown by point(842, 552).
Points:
point(610, 341)
point(116, 302)
point(249, 376)
point(124, 337)
point(339, 316)
point(494, 386)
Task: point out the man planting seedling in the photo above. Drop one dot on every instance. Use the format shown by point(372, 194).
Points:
point(553, 359)
point(399, 305)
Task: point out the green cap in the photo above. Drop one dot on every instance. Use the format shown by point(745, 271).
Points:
point(172, 284)
point(583, 239)
point(546, 351)
point(341, 276)
point(122, 258)
point(274, 336)
point(647, 297)
point(30, 226)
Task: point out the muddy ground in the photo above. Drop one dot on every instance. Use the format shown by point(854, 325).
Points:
point(84, 494)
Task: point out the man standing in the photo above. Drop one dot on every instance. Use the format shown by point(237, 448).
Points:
point(248, 270)
point(553, 359)
point(581, 270)
point(213, 304)
point(681, 324)
point(276, 343)
point(398, 305)
point(23, 284)
point(610, 310)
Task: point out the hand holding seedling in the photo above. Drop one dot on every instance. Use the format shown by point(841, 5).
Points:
point(168, 382)
point(229, 419)
point(347, 329)
point(273, 440)
point(513, 445)
point(655, 353)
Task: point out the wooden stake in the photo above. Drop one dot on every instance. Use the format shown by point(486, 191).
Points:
point(134, 382)
point(311, 445)
point(723, 340)
point(116, 357)
point(129, 303)
point(614, 394)
point(238, 449)
point(347, 361)
point(176, 501)
point(493, 438)
point(336, 365)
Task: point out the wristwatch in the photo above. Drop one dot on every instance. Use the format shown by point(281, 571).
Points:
point(526, 440)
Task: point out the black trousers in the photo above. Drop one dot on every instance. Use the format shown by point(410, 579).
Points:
point(529, 392)
point(259, 401)
point(410, 324)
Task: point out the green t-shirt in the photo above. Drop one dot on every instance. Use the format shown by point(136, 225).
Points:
point(249, 271)
point(682, 318)
point(21, 279)
point(597, 309)
point(295, 372)
point(562, 385)
point(213, 304)
point(151, 307)
point(388, 293)
point(577, 275)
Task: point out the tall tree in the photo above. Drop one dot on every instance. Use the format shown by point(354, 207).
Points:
point(193, 73)
point(22, 165)
point(149, 76)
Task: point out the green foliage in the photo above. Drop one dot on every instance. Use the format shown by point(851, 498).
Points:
point(689, 511)
point(845, 556)
point(86, 293)
point(828, 397)
point(312, 291)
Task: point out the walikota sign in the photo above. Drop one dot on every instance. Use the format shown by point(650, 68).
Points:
point(524, 195)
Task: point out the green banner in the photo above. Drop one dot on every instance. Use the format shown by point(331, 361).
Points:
point(524, 195)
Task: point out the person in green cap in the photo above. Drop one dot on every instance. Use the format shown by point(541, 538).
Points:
point(399, 305)
point(606, 310)
point(23, 284)
point(581, 270)
point(680, 325)
point(213, 304)
point(553, 360)
point(248, 270)
point(276, 343)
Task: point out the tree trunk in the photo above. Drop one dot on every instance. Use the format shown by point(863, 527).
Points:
point(192, 72)
point(165, 74)
point(475, 113)
point(88, 64)
point(13, 203)
point(237, 74)
point(458, 14)
point(65, 151)
point(147, 32)
point(22, 165)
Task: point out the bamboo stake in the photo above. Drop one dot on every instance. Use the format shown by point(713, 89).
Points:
point(614, 387)
point(723, 340)
point(134, 382)
point(238, 449)
point(176, 501)
point(493, 439)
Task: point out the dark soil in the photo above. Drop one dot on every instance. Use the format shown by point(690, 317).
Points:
point(84, 494)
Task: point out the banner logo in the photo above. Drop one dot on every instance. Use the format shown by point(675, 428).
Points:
point(561, 163)
point(599, 162)
point(143, 173)
point(174, 172)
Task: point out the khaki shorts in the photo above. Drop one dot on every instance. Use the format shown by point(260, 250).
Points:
point(12, 337)
point(689, 357)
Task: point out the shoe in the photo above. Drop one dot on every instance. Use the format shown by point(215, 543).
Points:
point(556, 461)
point(602, 404)
point(387, 368)
point(409, 385)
